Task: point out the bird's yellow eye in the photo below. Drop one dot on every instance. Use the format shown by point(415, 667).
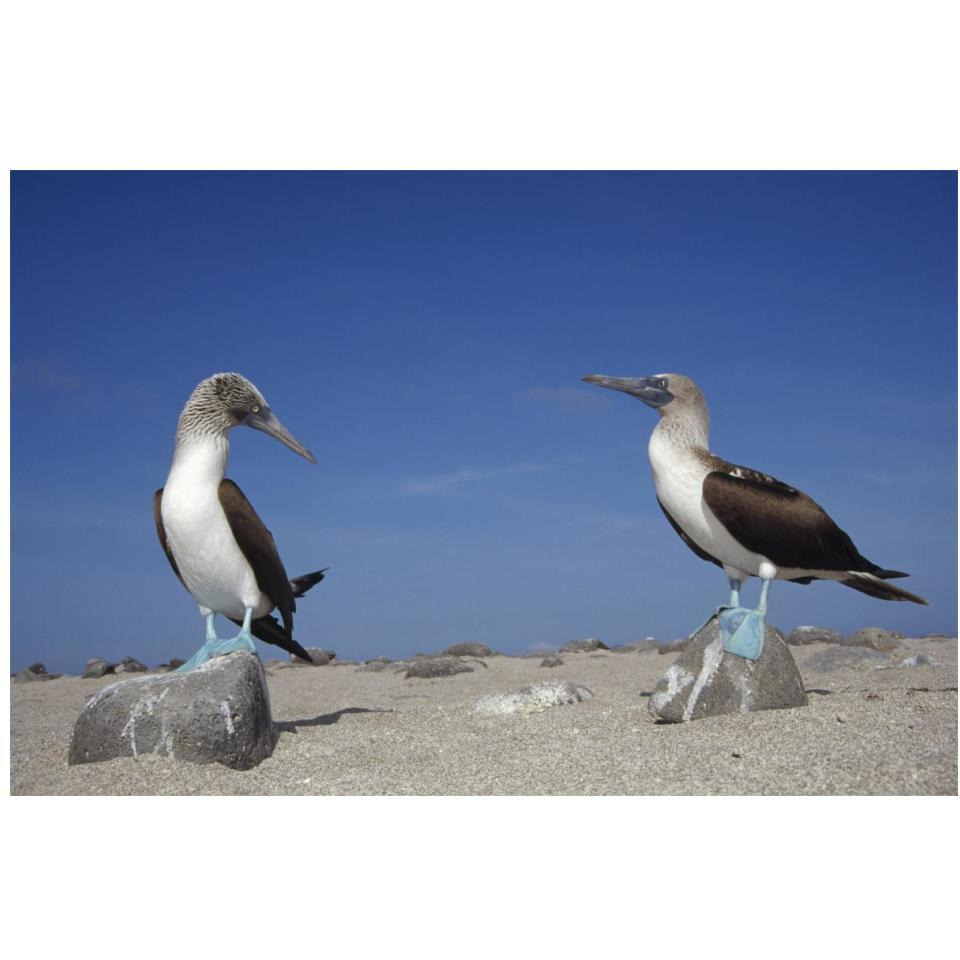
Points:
point(255, 408)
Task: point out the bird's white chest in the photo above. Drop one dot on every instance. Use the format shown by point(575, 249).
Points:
point(678, 475)
point(678, 478)
point(211, 564)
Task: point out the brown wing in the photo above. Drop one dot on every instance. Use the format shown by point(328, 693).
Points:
point(162, 534)
point(780, 523)
point(256, 543)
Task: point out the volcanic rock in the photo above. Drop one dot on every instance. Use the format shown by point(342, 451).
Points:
point(845, 657)
point(803, 635)
point(875, 639)
point(217, 713)
point(428, 667)
point(706, 681)
point(583, 646)
point(468, 650)
point(96, 667)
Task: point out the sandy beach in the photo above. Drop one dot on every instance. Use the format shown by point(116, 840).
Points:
point(348, 729)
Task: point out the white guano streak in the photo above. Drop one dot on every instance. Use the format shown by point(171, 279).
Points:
point(712, 656)
point(677, 679)
point(225, 710)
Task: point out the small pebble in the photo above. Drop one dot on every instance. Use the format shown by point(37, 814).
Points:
point(920, 660)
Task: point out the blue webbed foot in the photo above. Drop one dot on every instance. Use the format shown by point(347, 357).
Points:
point(215, 647)
point(242, 641)
point(201, 656)
point(742, 631)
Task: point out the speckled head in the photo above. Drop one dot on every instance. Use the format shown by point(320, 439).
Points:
point(683, 411)
point(228, 400)
point(684, 395)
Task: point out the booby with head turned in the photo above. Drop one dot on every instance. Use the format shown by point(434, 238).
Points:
point(745, 521)
point(217, 545)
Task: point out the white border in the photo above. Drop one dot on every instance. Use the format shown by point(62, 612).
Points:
point(375, 85)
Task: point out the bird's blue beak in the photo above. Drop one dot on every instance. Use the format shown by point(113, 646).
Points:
point(265, 420)
point(651, 390)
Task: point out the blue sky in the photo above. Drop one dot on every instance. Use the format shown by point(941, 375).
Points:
point(424, 335)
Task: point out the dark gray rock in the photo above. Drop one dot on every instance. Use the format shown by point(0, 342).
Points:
point(674, 646)
point(534, 698)
point(875, 639)
point(705, 681)
point(37, 668)
point(468, 650)
point(800, 636)
point(319, 657)
point(427, 667)
point(583, 646)
point(920, 660)
point(553, 660)
point(218, 713)
point(130, 665)
point(29, 676)
point(845, 657)
point(176, 662)
point(96, 667)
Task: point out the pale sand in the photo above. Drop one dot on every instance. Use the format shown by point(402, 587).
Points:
point(866, 731)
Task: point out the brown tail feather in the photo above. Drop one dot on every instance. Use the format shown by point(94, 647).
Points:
point(889, 574)
point(302, 584)
point(872, 584)
point(269, 631)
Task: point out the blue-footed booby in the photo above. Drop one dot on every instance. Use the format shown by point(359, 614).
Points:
point(215, 542)
point(744, 521)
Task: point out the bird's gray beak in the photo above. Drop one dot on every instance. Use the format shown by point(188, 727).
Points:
point(265, 420)
point(647, 389)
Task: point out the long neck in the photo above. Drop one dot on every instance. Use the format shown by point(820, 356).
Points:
point(200, 458)
point(689, 431)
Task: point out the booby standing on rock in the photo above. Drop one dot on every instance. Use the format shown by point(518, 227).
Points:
point(740, 519)
point(214, 540)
